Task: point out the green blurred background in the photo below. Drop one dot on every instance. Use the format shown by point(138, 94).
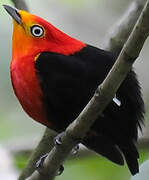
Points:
point(88, 21)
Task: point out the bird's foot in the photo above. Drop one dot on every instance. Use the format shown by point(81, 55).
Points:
point(75, 150)
point(39, 163)
point(57, 139)
point(60, 171)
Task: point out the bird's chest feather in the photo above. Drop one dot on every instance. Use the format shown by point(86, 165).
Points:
point(27, 89)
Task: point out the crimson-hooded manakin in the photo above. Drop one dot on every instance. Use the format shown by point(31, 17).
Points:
point(54, 76)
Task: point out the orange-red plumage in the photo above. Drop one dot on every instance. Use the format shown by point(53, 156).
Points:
point(53, 40)
point(25, 49)
point(26, 87)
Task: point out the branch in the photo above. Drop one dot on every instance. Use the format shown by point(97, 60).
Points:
point(119, 34)
point(23, 146)
point(20, 4)
point(103, 95)
point(45, 145)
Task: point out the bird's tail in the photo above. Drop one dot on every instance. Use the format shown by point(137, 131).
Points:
point(131, 155)
point(105, 147)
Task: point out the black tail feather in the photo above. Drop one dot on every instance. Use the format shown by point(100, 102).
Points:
point(104, 146)
point(131, 155)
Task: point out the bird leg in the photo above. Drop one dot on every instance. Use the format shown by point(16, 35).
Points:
point(75, 150)
point(57, 139)
point(60, 171)
point(39, 165)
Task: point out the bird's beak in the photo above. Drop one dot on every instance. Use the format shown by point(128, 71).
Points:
point(14, 13)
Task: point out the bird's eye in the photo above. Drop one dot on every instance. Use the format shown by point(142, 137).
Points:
point(37, 31)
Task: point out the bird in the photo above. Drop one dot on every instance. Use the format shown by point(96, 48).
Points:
point(54, 76)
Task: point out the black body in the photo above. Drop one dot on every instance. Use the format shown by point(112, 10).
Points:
point(69, 82)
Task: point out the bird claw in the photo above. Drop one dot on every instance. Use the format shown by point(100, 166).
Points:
point(39, 163)
point(75, 149)
point(60, 171)
point(57, 139)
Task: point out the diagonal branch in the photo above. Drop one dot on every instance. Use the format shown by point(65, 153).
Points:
point(44, 146)
point(103, 95)
point(120, 32)
point(20, 4)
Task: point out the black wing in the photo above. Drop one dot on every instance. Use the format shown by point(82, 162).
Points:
point(69, 82)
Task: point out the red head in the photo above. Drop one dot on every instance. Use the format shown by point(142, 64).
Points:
point(33, 35)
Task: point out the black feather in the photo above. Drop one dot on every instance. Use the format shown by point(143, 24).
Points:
point(131, 155)
point(69, 82)
point(105, 147)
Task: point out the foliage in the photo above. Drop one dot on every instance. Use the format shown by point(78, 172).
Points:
point(21, 160)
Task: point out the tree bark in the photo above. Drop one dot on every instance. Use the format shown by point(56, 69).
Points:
point(45, 145)
point(20, 4)
point(119, 34)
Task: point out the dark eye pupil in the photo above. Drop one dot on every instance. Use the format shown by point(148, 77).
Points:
point(37, 31)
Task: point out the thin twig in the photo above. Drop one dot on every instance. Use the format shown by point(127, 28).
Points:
point(120, 32)
point(104, 94)
point(45, 145)
point(20, 4)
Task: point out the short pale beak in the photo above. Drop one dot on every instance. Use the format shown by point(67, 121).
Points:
point(14, 13)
